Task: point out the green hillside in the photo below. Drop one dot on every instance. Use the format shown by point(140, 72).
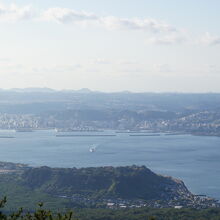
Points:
point(121, 182)
point(95, 187)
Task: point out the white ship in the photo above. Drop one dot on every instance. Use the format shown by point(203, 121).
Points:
point(92, 149)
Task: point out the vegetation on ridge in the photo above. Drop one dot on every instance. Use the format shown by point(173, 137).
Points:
point(121, 182)
point(72, 187)
point(94, 187)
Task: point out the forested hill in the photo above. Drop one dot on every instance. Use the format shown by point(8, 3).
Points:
point(105, 182)
point(105, 187)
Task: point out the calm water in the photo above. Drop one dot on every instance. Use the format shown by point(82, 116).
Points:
point(194, 159)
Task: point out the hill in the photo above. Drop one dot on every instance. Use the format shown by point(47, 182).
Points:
point(105, 182)
point(106, 187)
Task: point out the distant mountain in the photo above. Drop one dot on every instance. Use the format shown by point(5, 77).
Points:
point(32, 90)
point(83, 90)
point(47, 90)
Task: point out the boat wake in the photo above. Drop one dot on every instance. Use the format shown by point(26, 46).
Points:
point(93, 148)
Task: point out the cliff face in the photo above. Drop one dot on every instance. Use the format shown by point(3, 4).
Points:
point(130, 182)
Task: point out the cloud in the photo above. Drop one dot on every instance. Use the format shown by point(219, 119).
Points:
point(213, 69)
point(150, 25)
point(167, 34)
point(128, 62)
point(183, 37)
point(209, 39)
point(67, 16)
point(163, 68)
point(101, 61)
point(13, 13)
point(57, 68)
point(4, 59)
point(167, 39)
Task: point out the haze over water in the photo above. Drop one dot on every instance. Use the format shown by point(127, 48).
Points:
point(194, 159)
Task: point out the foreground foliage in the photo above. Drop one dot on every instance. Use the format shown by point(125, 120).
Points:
point(149, 214)
point(106, 214)
point(39, 214)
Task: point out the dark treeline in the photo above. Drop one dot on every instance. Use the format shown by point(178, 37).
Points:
point(105, 214)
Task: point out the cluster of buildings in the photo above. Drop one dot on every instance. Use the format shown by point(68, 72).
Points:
point(199, 123)
point(14, 121)
point(194, 201)
point(205, 123)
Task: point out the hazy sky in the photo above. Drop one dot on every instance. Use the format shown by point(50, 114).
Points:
point(111, 45)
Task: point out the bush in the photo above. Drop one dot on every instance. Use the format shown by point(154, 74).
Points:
point(39, 214)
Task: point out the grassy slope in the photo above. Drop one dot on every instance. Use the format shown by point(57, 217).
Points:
point(124, 182)
point(21, 196)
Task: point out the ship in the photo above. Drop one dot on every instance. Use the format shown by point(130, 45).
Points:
point(92, 149)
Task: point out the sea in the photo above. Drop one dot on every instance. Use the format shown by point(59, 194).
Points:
point(193, 159)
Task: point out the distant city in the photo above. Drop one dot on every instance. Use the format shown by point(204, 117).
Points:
point(85, 110)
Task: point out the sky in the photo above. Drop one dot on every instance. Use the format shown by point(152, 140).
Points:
point(111, 45)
